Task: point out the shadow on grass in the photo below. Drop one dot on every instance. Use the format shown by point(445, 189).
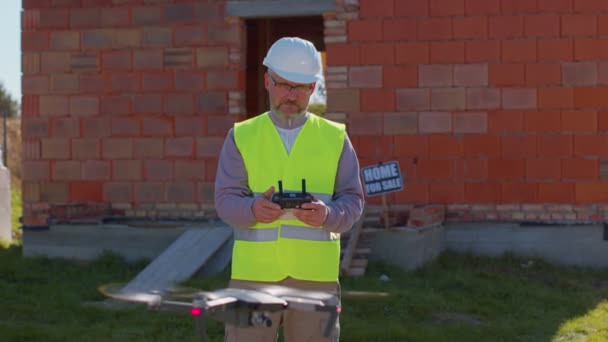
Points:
point(454, 298)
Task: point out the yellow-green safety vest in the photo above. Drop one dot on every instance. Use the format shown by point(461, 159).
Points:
point(288, 247)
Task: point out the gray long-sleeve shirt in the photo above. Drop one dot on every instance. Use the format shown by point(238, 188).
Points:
point(234, 199)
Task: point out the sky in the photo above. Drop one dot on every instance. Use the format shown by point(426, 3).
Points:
point(10, 38)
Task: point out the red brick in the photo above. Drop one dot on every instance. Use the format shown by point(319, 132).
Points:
point(543, 74)
point(400, 123)
point(477, 7)
point(542, 121)
point(86, 191)
point(442, 145)
point(36, 170)
point(376, 8)
point(398, 76)
point(205, 192)
point(435, 122)
point(446, 192)
point(377, 53)
point(54, 18)
point(555, 145)
point(505, 122)
point(520, 98)
point(224, 34)
point(54, 193)
point(182, 192)
point(588, 49)
point(35, 41)
point(346, 100)
point(517, 6)
point(85, 17)
point(446, 8)
point(179, 147)
point(519, 50)
point(115, 16)
point(148, 104)
point(514, 146)
point(118, 60)
point(53, 105)
point(116, 105)
point(479, 145)
point(30, 192)
point(189, 126)
point(382, 100)
point(506, 26)
point(506, 168)
point(590, 97)
point(64, 83)
point(435, 75)
point(180, 104)
point(365, 77)
point(478, 51)
point(95, 127)
point(85, 62)
point(160, 126)
point(447, 52)
point(219, 124)
point(435, 29)
point(158, 170)
point(35, 127)
point(471, 75)
point(34, 84)
point(374, 147)
point(542, 25)
point(117, 148)
point(208, 146)
point(54, 62)
point(470, 169)
point(556, 192)
point(149, 192)
point(370, 124)
point(411, 145)
point(84, 105)
point(482, 98)
point(602, 122)
point(470, 27)
point(55, 148)
point(580, 73)
point(213, 56)
point(470, 122)
point(518, 192)
point(118, 192)
point(579, 168)
point(222, 80)
point(448, 99)
point(190, 35)
point(97, 39)
point(65, 40)
point(434, 169)
point(130, 170)
point(186, 170)
point(148, 60)
point(555, 98)
point(399, 29)
point(579, 25)
point(92, 83)
point(413, 192)
point(128, 82)
point(157, 81)
point(591, 145)
point(148, 148)
point(125, 127)
point(506, 74)
point(412, 8)
point(157, 37)
point(543, 169)
point(412, 53)
point(579, 121)
point(30, 63)
point(557, 6)
point(86, 149)
point(365, 30)
point(342, 54)
point(555, 50)
point(65, 170)
point(147, 16)
point(482, 192)
point(65, 127)
point(189, 81)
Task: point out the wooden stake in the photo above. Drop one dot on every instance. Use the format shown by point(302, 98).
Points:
point(385, 206)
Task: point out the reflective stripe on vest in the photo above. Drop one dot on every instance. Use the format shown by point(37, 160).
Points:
point(288, 247)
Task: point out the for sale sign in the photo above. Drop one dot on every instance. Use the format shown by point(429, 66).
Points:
point(382, 178)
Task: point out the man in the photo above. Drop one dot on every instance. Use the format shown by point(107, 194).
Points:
point(298, 248)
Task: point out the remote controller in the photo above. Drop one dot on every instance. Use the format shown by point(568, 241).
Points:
point(290, 200)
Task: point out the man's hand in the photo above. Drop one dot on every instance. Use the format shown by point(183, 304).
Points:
point(264, 210)
point(313, 213)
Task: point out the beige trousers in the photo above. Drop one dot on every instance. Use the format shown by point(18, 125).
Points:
point(298, 326)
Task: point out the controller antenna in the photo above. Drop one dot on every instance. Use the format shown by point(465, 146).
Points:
point(303, 185)
point(280, 187)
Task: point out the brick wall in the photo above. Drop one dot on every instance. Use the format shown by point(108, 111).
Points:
point(126, 102)
point(496, 108)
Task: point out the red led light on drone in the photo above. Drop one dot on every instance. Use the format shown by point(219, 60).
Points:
point(195, 311)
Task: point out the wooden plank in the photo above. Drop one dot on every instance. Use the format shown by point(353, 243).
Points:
point(352, 243)
point(277, 8)
point(184, 257)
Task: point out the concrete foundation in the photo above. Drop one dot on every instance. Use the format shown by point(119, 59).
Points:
point(575, 245)
point(5, 204)
point(407, 248)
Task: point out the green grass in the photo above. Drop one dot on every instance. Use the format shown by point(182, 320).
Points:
point(455, 298)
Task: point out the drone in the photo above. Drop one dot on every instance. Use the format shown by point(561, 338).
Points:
point(238, 307)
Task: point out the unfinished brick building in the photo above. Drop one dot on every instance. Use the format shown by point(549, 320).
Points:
point(496, 108)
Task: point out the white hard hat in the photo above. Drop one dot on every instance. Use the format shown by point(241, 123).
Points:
point(294, 59)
